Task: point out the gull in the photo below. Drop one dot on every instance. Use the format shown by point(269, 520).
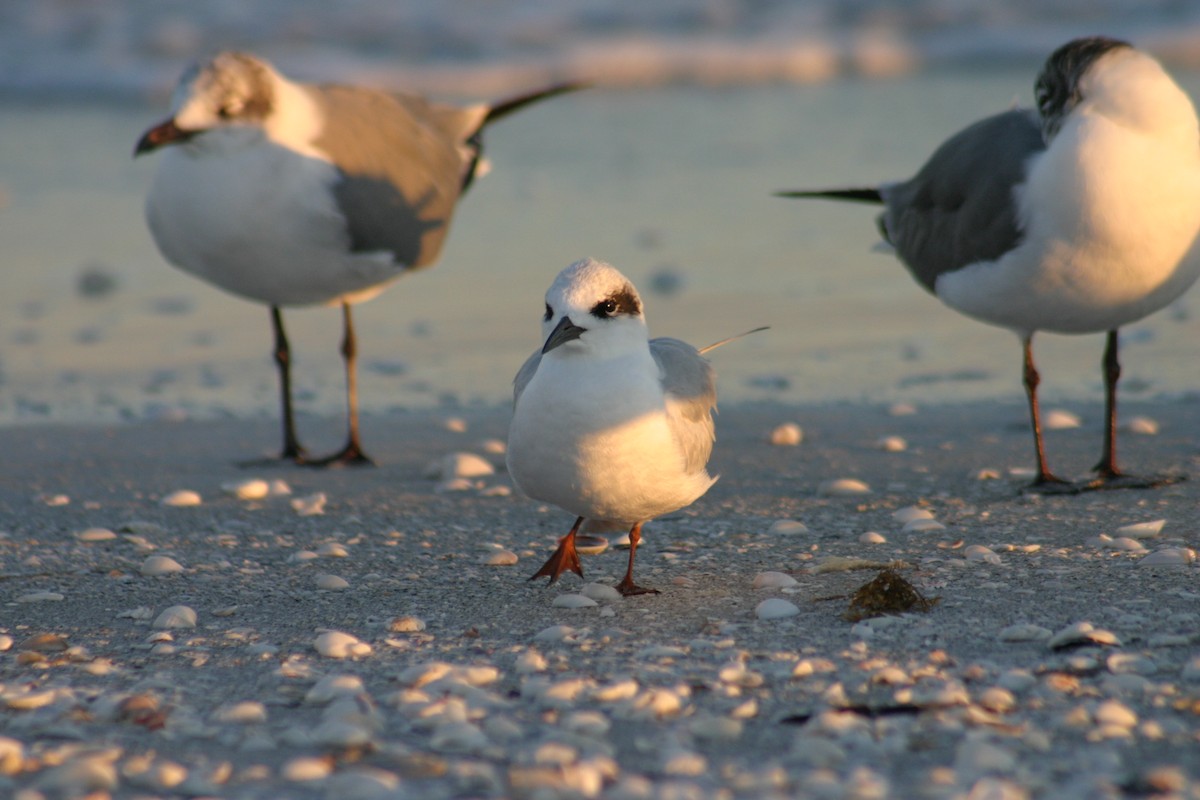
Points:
point(297, 194)
point(1078, 218)
point(609, 424)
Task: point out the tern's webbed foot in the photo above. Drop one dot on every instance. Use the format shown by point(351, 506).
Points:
point(1116, 481)
point(349, 456)
point(1048, 483)
point(628, 588)
point(564, 559)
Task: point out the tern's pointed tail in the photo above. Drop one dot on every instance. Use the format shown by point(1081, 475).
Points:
point(865, 194)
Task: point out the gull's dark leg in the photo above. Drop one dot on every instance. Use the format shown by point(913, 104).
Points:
point(627, 587)
point(1107, 467)
point(566, 557)
point(351, 453)
point(292, 450)
point(1046, 481)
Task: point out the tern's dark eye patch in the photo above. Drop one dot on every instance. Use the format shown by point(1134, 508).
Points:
point(549, 313)
point(622, 302)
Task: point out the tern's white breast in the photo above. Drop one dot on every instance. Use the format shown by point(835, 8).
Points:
point(595, 440)
point(260, 221)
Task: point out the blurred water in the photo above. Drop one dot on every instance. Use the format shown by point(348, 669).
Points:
point(673, 179)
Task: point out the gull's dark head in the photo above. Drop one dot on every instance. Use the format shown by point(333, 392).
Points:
point(1059, 87)
point(594, 305)
point(226, 91)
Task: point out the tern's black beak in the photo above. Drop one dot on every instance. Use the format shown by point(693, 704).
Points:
point(563, 332)
point(161, 135)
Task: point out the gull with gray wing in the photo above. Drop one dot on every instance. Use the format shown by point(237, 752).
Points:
point(297, 194)
point(1081, 217)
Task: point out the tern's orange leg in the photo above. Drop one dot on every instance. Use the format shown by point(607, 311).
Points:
point(627, 587)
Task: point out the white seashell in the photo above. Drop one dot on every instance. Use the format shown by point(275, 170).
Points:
point(977, 552)
point(774, 580)
point(247, 712)
point(160, 565)
point(302, 555)
point(1143, 426)
point(909, 513)
point(280, 488)
point(331, 687)
point(555, 633)
point(41, 597)
point(339, 733)
point(176, 617)
point(787, 527)
point(95, 535)
point(592, 545)
point(182, 498)
point(615, 692)
point(336, 644)
point(1126, 543)
point(789, 434)
point(459, 465)
point(310, 505)
point(362, 783)
point(495, 447)
point(922, 525)
point(12, 756)
point(249, 489)
point(775, 608)
point(1169, 557)
point(6, 643)
point(1082, 633)
point(573, 601)
point(454, 485)
point(1130, 664)
point(1142, 530)
point(586, 723)
point(458, 737)
point(872, 537)
point(332, 583)
point(683, 763)
point(1113, 712)
point(843, 487)
point(891, 444)
point(25, 700)
point(141, 613)
point(333, 550)
point(500, 558)
point(455, 424)
point(902, 409)
point(998, 699)
point(530, 661)
point(307, 768)
point(1025, 632)
point(1057, 419)
point(601, 593)
point(716, 729)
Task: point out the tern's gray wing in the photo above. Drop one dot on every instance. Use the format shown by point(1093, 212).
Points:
point(525, 375)
point(402, 161)
point(961, 207)
point(690, 382)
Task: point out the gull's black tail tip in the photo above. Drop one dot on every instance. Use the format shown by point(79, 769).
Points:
point(508, 106)
point(864, 194)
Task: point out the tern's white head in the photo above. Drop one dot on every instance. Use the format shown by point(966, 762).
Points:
point(232, 92)
point(592, 309)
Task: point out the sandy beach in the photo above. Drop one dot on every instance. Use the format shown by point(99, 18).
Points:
point(460, 678)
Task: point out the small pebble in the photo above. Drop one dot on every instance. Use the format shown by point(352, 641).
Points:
point(787, 527)
point(95, 535)
point(789, 434)
point(843, 487)
point(160, 565)
point(891, 444)
point(775, 608)
point(335, 644)
point(332, 583)
point(182, 498)
point(774, 580)
point(176, 617)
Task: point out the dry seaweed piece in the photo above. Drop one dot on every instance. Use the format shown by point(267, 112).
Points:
point(886, 593)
